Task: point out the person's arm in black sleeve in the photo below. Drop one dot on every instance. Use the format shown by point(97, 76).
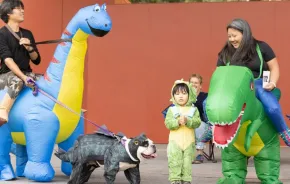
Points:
point(4, 49)
point(267, 52)
point(6, 56)
point(271, 60)
point(34, 54)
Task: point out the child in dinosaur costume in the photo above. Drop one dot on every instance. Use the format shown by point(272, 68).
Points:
point(181, 120)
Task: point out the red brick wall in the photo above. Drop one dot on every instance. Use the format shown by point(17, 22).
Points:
point(129, 73)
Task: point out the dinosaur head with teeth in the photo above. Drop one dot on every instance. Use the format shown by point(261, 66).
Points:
point(229, 103)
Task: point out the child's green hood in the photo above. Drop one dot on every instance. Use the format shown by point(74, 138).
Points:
point(191, 95)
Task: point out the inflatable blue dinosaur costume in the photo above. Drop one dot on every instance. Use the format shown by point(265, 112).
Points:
point(37, 123)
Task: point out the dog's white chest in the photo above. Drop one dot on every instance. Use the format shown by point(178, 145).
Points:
point(124, 166)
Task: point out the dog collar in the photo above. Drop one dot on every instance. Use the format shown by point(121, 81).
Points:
point(125, 141)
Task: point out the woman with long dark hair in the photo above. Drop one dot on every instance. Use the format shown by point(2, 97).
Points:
point(243, 49)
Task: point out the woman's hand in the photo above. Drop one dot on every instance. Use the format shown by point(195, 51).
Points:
point(269, 87)
point(274, 74)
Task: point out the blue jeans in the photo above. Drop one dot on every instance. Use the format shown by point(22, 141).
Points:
point(271, 106)
point(199, 132)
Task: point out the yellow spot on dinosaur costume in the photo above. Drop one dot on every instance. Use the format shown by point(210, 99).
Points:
point(18, 137)
point(256, 143)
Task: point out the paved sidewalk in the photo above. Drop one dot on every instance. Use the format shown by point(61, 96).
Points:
point(156, 171)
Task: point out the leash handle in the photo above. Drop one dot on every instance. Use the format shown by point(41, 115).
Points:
point(34, 88)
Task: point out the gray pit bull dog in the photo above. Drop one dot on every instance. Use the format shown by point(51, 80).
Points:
point(94, 150)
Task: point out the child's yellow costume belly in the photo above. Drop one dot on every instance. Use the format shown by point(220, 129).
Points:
point(183, 137)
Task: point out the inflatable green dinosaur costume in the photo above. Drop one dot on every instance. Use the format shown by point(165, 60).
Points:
point(241, 127)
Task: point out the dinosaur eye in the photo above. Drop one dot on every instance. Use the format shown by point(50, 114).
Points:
point(97, 8)
point(105, 7)
point(136, 143)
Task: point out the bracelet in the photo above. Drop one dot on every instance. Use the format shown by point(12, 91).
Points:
point(31, 51)
point(273, 83)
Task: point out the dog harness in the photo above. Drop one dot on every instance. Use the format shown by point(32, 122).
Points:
point(125, 141)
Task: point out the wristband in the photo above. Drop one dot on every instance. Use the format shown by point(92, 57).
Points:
point(31, 51)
